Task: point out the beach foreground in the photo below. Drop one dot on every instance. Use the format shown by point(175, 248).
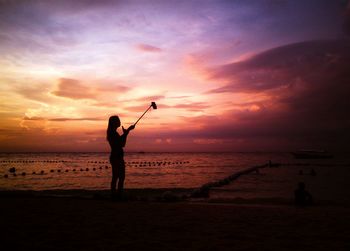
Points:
point(32, 223)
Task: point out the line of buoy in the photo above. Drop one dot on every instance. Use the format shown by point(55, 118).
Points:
point(203, 191)
point(97, 162)
point(133, 163)
point(34, 161)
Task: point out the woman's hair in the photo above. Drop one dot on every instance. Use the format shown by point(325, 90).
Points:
point(112, 126)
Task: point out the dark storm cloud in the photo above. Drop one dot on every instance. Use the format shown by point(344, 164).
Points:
point(285, 66)
point(308, 89)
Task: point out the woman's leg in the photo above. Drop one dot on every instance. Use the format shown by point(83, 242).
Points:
point(121, 176)
point(114, 177)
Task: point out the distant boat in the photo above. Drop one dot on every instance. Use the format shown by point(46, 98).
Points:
point(312, 154)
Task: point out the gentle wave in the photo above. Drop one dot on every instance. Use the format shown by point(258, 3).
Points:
point(92, 170)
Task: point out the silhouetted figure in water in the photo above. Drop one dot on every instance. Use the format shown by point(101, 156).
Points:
point(117, 142)
point(302, 197)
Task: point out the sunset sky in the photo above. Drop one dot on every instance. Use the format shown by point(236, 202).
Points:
point(261, 75)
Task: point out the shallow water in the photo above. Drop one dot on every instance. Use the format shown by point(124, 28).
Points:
point(143, 170)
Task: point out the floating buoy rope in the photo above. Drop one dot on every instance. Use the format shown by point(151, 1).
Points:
point(13, 170)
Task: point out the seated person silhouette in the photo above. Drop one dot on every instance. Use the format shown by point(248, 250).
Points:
point(302, 197)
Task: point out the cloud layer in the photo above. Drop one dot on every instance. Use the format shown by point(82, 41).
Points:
point(226, 75)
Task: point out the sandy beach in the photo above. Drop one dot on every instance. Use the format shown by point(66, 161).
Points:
point(48, 223)
point(253, 212)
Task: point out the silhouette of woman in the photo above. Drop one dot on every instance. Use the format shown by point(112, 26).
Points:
point(117, 142)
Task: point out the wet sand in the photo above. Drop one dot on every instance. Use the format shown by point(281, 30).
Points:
point(37, 223)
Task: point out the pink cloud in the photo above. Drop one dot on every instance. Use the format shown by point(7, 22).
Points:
point(148, 48)
point(196, 63)
point(137, 108)
point(27, 140)
point(73, 89)
point(104, 104)
point(63, 119)
point(151, 98)
point(76, 119)
point(76, 89)
point(194, 106)
point(113, 88)
point(37, 92)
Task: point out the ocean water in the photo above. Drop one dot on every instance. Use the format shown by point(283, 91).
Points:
point(92, 171)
